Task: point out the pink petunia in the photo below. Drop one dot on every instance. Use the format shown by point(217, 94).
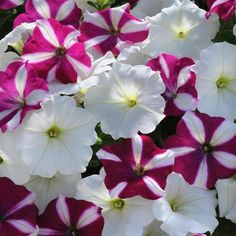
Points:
point(225, 9)
point(180, 93)
point(137, 166)
point(8, 4)
point(65, 11)
point(55, 53)
point(111, 29)
point(205, 149)
point(21, 90)
point(17, 210)
point(68, 216)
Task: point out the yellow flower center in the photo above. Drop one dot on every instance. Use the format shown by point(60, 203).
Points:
point(53, 132)
point(222, 82)
point(118, 204)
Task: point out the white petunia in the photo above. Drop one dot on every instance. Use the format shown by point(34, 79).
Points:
point(128, 102)
point(154, 229)
point(226, 190)
point(216, 80)
point(11, 165)
point(47, 189)
point(121, 216)
point(150, 7)
point(181, 30)
point(185, 208)
point(57, 138)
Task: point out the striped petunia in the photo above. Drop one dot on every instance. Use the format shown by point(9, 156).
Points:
point(205, 149)
point(68, 216)
point(17, 210)
point(64, 11)
point(55, 53)
point(137, 166)
point(180, 93)
point(21, 90)
point(8, 4)
point(111, 29)
point(225, 9)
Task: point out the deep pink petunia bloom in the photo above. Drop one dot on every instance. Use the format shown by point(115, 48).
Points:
point(180, 93)
point(110, 29)
point(8, 4)
point(205, 149)
point(55, 53)
point(17, 210)
point(225, 9)
point(68, 216)
point(65, 11)
point(21, 90)
point(137, 167)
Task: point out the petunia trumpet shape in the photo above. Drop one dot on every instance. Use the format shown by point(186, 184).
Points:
point(55, 53)
point(225, 9)
point(138, 166)
point(185, 208)
point(21, 90)
point(65, 11)
point(111, 29)
point(17, 210)
point(68, 216)
point(180, 93)
point(206, 146)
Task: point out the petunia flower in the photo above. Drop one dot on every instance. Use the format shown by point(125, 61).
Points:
point(216, 80)
point(8, 4)
point(47, 189)
point(65, 11)
point(17, 210)
point(181, 29)
point(138, 166)
point(111, 29)
point(21, 91)
point(55, 53)
point(128, 102)
point(180, 93)
point(121, 216)
point(225, 9)
point(204, 145)
point(68, 216)
point(185, 208)
point(57, 138)
point(226, 191)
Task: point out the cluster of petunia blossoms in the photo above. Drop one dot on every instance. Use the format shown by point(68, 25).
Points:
point(118, 119)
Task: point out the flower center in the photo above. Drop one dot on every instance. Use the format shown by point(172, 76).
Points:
point(60, 51)
point(174, 205)
point(114, 31)
point(118, 204)
point(73, 231)
point(222, 82)
point(131, 102)
point(207, 148)
point(53, 132)
point(1, 160)
point(181, 35)
point(2, 218)
point(139, 170)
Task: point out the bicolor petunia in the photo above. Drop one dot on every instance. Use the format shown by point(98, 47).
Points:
point(65, 11)
point(138, 166)
point(55, 53)
point(111, 29)
point(17, 210)
point(68, 216)
point(8, 4)
point(180, 93)
point(206, 146)
point(21, 90)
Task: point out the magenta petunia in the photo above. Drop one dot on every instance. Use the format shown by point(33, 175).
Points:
point(55, 53)
point(65, 11)
point(68, 216)
point(8, 4)
point(21, 90)
point(110, 29)
point(204, 147)
point(17, 210)
point(225, 9)
point(180, 93)
point(137, 167)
